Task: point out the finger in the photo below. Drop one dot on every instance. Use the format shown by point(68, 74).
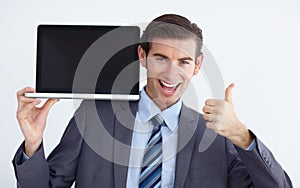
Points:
point(26, 99)
point(214, 102)
point(206, 116)
point(210, 117)
point(20, 95)
point(49, 103)
point(30, 106)
point(213, 117)
point(215, 110)
point(228, 93)
point(25, 90)
point(208, 109)
point(22, 114)
point(23, 101)
point(211, 102)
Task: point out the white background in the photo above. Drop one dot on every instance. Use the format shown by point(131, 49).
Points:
point(255, 43)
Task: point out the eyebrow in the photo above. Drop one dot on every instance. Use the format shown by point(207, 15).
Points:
point(181, 59)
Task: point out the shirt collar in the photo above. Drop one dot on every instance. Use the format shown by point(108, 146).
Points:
point(147, 109)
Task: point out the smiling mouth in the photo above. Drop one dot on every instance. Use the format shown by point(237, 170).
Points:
point(169, 87)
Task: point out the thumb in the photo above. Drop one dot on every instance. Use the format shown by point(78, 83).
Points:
point(49, 103)
point(228, 93)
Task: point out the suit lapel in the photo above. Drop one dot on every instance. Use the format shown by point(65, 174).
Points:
point(186, 141)
point(124, 122)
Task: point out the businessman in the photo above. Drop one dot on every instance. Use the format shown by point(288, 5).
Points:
point(162, 134)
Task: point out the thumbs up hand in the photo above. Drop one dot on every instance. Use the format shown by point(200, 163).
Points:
point(222, 119)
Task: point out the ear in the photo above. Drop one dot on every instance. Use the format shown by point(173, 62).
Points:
point(142, 56)
point(199, 61)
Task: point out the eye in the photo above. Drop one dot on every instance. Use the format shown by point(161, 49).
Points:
point(184, 62)
point(160, 59)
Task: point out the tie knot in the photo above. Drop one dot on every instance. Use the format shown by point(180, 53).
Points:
point(157, 121)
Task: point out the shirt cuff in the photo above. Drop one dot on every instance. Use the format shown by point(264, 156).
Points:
point(252, 145)
point(25, 157)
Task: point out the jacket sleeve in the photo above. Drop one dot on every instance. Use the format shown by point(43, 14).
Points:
point(59, 170)
point(33, 172)
point(262, 170)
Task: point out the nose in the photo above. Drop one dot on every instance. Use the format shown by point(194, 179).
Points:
point(172, 72)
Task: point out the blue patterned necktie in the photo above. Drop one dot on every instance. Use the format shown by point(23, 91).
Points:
point(152, 162)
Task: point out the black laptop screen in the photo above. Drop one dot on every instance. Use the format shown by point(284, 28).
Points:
point(87, 59)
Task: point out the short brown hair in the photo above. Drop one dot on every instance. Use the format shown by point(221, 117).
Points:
point(171, 26)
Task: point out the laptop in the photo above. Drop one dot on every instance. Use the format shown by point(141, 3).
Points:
point(87, 62)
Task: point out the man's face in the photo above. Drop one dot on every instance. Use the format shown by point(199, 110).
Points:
point(170, 65)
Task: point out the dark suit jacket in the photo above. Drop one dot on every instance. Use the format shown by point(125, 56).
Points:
point(96, 156)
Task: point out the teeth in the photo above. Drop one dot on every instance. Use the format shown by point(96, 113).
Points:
point(168, 85)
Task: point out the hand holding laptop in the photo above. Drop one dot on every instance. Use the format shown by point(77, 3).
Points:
point(32, 119)
point(61, 49)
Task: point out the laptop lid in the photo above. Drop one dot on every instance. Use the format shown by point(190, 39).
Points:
point(89, 62)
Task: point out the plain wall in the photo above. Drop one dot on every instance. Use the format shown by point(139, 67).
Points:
point(255, 43)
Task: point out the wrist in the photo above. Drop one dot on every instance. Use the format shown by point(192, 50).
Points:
point(244, 138)
point(30, 148)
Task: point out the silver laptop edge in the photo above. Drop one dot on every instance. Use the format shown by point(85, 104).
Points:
point(84, 96)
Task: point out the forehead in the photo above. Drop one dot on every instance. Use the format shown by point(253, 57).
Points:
point(186, 47)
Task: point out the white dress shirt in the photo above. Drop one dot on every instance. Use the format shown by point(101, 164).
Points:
point(141, 134)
